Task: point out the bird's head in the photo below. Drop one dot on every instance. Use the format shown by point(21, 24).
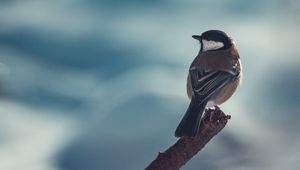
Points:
point(214, 40)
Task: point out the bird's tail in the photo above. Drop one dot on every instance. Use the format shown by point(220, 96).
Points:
point(190, 123)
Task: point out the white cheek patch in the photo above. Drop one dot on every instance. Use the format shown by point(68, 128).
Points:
point(211, 45)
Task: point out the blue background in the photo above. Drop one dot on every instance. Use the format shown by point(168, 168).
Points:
point(88, 85)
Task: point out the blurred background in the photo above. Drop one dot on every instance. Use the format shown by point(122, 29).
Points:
point(89, 85)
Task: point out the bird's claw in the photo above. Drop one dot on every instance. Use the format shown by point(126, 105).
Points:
point(217, 108)
point(211, 112)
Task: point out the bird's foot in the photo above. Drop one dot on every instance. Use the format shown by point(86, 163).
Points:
point(213, 110)
point(217, 108)
point(212, 116)
point(211, 113)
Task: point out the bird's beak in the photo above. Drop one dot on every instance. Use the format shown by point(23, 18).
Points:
point(197, 37)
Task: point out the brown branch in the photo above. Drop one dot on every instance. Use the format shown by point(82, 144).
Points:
point(186, 147)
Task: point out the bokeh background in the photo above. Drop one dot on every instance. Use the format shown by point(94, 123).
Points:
point(92, 85)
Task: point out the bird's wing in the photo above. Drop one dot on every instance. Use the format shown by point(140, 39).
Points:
point(206, 82)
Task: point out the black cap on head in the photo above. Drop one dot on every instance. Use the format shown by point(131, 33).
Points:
point(216, 35)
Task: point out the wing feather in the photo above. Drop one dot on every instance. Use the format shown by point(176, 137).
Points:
point(206, 82)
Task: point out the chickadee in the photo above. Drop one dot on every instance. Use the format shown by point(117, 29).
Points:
point(213, 77)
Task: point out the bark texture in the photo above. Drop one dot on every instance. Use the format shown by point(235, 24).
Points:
point(186, 147)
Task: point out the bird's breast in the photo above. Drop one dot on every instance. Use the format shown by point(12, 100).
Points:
point(226, 92)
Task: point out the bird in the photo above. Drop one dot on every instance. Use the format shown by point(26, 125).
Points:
point(213, 77)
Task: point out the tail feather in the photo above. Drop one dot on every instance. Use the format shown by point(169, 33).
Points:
point(189, 125)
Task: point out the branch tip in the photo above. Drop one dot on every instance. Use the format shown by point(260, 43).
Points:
point(185, 148)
